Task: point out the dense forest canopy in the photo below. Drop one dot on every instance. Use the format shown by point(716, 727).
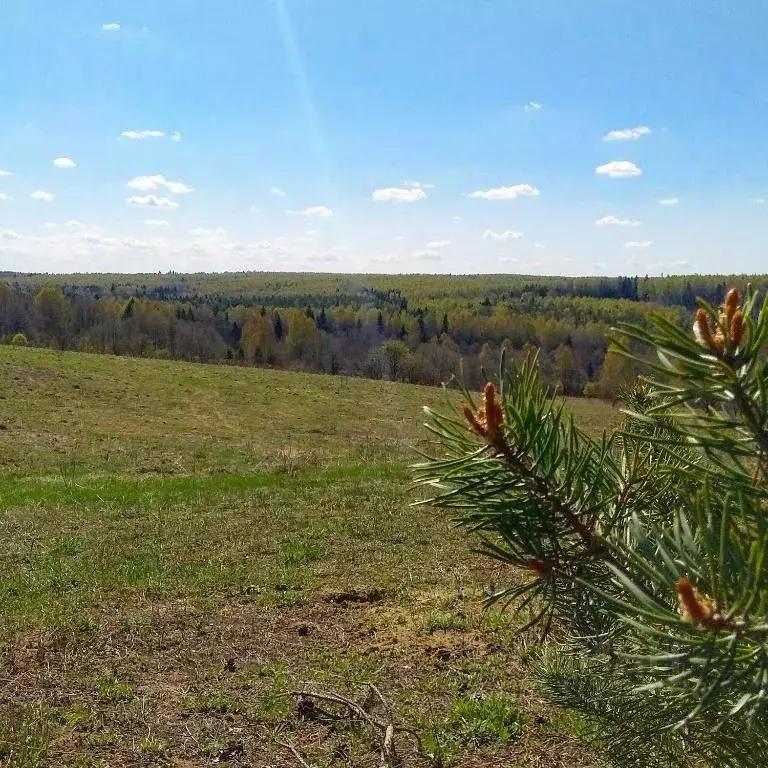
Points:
point(417, 328)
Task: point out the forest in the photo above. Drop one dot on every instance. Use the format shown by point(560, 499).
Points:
point(416, 328)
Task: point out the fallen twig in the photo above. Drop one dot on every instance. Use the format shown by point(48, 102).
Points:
point(380, 727)
point(337, 698)
point(383, 701)
point(388, 754)
point(287, 745)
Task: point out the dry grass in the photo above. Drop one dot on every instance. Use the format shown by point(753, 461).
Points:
point(183, 545)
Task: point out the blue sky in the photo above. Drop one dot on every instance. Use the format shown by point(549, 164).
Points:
point(384, 136)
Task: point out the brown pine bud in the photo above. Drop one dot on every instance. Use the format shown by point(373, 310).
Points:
point(737, 328)
point(494, 416)
point(697, 609)
point(474, 423)
point(703, 332)
point(731, 303)
point(690, 606)
point(488, 420)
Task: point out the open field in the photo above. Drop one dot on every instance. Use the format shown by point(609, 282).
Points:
point(183, 545)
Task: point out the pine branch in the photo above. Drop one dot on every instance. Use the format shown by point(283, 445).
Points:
point(650, 548)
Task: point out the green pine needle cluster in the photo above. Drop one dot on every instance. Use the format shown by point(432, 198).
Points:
point(643, 555)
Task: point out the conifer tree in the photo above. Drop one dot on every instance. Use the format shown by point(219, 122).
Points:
point(640, 558)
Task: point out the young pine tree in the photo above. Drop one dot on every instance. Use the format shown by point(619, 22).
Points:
point(642, 557)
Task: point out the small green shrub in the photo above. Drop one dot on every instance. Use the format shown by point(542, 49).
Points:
point(485, 720)
point(115, 690)
point(212, 703)
point(152, 745)
point(274, 706)
point(298, 550)
point(75, 716)
point(445, 621)
point(101, 739)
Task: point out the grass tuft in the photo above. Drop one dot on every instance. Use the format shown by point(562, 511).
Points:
point(299, 550)
point(486, 719)
point(26, 734)
point(440, 621)
point(113, 690)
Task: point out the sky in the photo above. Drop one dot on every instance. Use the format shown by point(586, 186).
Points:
point(456, 136)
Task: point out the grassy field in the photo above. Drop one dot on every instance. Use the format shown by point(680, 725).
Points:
point(182, 546)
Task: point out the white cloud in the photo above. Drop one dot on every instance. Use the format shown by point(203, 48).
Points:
point(49, 225)
point(686, 265)
point(156, 222)
point(399, 195)
point(437, 245)
point(532, 106)
point(75, 225)
point(175, 136)
point(10, 234)
point(541, 246)
point(507, 234)
point(615, 221)
point(276, 192)
point(178, 187)
point(4, 196)
point(457, 219)
point(134, 243)
point(5, 173)
point(669, 201)
point(385, 258)
point(418, 185)
point(253, 209)
point(41, 194)
point(618, 169)
point(639, 244)
point(318, 211)
point(64, 162)
point(203, 232)
point(146, 134)
point(506, 193)
point(151, 183)
point(152, 201)
point(267, 245)
point(95, 238)
point(627, 134)
point(507, 259)
point(760, 200)
point(113, 27)
point(427, 255)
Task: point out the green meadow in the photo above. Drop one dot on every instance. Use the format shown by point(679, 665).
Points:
point(182, 546)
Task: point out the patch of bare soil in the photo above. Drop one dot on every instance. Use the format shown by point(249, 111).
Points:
point(173, 685)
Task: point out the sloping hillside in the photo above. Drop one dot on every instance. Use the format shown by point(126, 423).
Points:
point(183, 545)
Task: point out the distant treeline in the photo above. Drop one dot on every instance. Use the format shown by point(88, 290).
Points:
point(416, 328)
